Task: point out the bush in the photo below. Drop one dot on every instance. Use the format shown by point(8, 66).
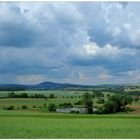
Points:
point(23, 95)
point(51, 96)
point(45, 105)
point(24, 107)
point(11, 107)
point(52, 107)
point(34, 106)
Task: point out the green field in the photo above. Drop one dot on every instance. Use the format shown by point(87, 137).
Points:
point(39, 123)
point(18, 102)
point(23, 124)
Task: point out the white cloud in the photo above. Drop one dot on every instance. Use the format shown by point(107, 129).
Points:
point(105, 76)
point(31, 79)
point(92, 49)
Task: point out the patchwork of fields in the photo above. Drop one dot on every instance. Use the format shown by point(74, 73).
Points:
point(36, 123)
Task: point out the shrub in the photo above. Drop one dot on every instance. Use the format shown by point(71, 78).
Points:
point(24, 107)
point(11, 107)
point(52, 107)
point(34, 106)
point(45, 105)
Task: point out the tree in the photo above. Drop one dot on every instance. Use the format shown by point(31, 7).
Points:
point(116, 103)
point(11, 94)
point(52, 107)
point(97, 94)
point(24, 107)
point(11, 107)
point(51, 96)
point(23, 95)
point(87, 99)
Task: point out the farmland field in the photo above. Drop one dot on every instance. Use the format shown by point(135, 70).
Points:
point(38, 123)
point(24, 124)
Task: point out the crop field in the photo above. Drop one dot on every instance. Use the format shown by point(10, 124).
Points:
point(23, 124)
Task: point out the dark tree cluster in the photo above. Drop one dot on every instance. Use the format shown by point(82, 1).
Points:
point(115, 103)
point(25, 95)
point(52, 107)
point(87, 100)
point(22, 95)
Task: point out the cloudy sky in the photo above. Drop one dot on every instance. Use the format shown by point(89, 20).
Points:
point(69, 42)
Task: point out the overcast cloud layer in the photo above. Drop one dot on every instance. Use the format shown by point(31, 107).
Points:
point(83, 43)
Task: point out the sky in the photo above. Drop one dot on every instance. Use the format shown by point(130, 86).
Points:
point(70, 42)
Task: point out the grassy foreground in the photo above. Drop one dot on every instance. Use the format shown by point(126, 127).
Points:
point(24, 124)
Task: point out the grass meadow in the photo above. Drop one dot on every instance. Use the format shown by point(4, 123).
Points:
point(24, 124)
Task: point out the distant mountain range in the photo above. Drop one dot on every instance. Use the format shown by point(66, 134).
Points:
point(50, 85)
point(44, 85)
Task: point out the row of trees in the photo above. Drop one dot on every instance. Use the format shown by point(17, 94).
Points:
point(25, 95)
